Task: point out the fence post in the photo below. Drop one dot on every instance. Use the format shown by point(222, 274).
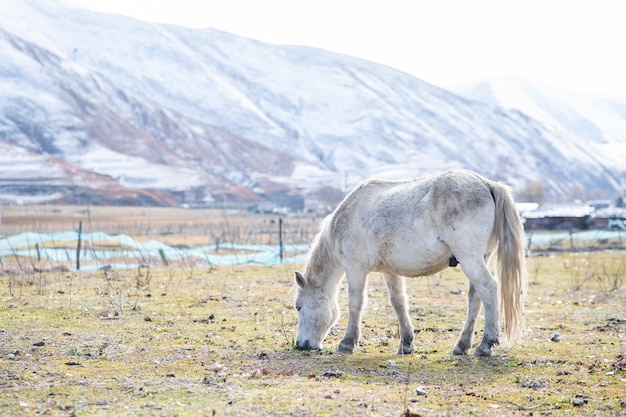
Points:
point(280, 239)
point(80, 231)
point(163, 258)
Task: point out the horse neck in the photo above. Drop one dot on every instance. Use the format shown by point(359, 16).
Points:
point(322, 267)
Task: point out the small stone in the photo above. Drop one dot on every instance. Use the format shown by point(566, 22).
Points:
point(579, 400)
point(420, 391)
point(391, 363)
point(217, 367)
point(556, 337)
point(532, 384)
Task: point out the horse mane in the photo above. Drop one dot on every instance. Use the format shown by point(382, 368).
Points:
point(321, 255)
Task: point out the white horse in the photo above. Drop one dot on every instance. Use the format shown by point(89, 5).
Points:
point(416, 228)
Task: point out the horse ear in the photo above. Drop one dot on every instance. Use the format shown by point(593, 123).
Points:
point(299, 279)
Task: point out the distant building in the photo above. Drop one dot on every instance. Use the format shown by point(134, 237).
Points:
point(594, 215)
point(609, 217)
point(574, 217)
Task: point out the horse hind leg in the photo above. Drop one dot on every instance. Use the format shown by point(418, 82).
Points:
point(464, 343)
point(397, 295)
point(487, 291)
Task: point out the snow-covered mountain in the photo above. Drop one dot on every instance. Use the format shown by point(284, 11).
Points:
point(102, 105)
point(599, 120)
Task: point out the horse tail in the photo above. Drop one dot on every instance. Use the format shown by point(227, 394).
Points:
point(510, 262)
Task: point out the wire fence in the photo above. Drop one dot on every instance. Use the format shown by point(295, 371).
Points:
point(98, 250)
point(575, 241)
point(77, 251)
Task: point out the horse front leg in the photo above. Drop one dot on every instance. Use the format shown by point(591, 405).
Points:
point(357, 297)
point(397, 295)
point(467, 335)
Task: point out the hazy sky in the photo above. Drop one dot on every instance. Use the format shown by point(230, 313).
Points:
point(572, 44)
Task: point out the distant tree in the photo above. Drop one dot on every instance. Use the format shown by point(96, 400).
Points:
point(532, 192)
point(330, 196)
point(597, 194)
point(576, 193)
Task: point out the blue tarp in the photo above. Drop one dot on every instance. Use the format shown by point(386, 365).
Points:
point(587, 236)
point(134, 253)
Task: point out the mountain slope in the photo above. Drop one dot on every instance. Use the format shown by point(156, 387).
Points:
point(54, 107)
point(166, 108)
point(599, 120)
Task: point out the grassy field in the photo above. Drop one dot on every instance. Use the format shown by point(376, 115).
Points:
point(174, 226)
point(219, 341)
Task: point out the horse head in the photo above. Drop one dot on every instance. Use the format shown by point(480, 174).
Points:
point(318, 311)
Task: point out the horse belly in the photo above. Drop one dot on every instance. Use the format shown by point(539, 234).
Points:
point(416, 260)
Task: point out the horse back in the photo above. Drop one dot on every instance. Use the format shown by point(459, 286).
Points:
point(446, 197)
point(413, 224)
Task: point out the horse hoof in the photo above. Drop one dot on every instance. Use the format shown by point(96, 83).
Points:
point(461, 348)
point(346, 347)
point(406, 349)
point(482, 352)
point(459, 351)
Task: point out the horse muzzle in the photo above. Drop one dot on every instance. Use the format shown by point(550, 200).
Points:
point(306, 345)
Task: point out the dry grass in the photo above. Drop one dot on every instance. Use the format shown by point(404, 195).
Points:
point(173, 226)
point(169, 341)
